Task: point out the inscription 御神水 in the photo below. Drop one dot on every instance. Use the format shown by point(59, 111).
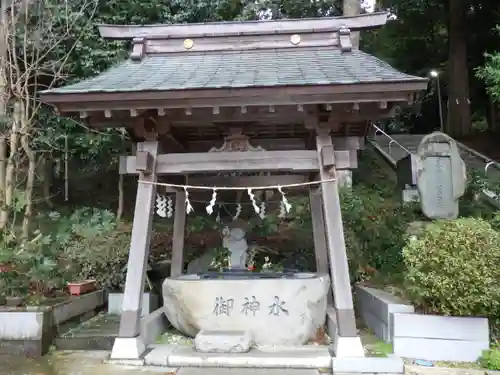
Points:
point(223, 306)
point(251, 305)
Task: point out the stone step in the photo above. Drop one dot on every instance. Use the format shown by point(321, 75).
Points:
point(288, 357)
point(223, 341)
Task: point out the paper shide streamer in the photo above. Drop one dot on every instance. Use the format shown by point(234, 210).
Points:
point(161, 206)
point(210, 207)
point(251, 195)
point(189, 208)
point(170, 209)
point(285, 206)
point(238, 212)
point(262, 207)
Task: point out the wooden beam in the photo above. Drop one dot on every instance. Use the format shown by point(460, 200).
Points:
point(205, 117)
point(238, 28)
point(272, 144)
point(242, 181)
point(192, 163)
point(243, 42)
point(348, 143)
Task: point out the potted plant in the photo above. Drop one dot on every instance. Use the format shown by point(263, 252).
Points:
point(81, 287)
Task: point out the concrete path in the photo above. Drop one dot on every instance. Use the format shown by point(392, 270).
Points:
point(91, 363)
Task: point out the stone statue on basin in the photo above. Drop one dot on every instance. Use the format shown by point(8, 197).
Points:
point(234, 240)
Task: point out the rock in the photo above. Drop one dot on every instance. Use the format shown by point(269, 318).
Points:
point(223, 341)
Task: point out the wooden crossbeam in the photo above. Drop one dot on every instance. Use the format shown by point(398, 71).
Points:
point(262, 161)
point(242, 181)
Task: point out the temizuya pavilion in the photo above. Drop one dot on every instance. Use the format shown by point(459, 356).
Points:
point(297, 88)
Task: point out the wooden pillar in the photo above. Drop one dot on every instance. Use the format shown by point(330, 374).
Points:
point(177, 267)
point(318, 227)
point(128, 344)
point(319, 234)
point(346, 340)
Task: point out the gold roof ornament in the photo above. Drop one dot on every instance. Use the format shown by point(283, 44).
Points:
point(188, 43)
point(295, 39)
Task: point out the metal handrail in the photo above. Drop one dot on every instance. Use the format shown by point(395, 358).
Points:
point(392, 140)
point(489, 162)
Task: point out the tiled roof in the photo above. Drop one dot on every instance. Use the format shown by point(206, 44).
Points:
point(239, 69)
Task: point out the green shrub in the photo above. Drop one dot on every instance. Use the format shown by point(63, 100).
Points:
point(491, 359)
point(374, 229)
point(452, 268)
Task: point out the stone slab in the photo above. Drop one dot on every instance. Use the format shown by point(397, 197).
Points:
point(439, 350)
point(421, 370)
point(393, 365)
point(77, 306)
point(21, 325)
point(159, 354)
point(440, 338)
point(441, 327)
point(223, 341)
point(410, 195)
point(85, 343)
point(153, 325)
point(376, 308)
point(150, 303)
point(244, 371)
point(187, 357)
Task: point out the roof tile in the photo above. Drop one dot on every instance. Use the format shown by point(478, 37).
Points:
point(238, 69)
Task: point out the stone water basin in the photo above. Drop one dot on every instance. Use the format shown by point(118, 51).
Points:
point(276, 308)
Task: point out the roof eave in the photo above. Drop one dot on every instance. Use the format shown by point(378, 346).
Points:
point(279, 95)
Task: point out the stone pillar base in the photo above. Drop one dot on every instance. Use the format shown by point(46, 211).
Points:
point(128, 348)
point(348, 347)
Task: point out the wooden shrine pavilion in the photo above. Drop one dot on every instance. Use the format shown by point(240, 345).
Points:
point(281, 96)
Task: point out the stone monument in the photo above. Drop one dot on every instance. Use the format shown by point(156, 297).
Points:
point(441, 176)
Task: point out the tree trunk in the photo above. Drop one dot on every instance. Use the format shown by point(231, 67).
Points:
point(11, 167)
point(30, 183)
point(46, 168)
point(352, 8)
point(30, 179)
point(459, 115)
